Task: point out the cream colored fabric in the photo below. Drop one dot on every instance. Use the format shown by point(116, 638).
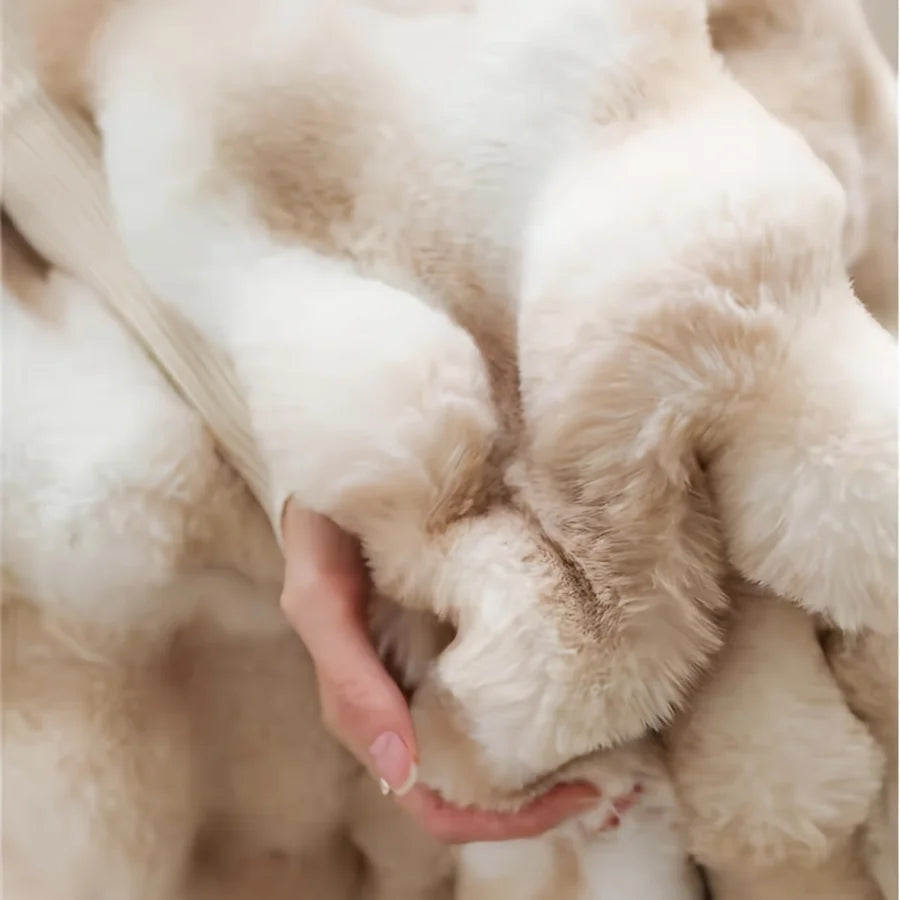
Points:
point(55, 193)
point(882, 16)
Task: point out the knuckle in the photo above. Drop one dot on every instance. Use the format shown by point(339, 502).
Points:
point(345, 703)
point(305, 585)
point(289, 602)
point(297, 602)
point(314, 602)
point(337, 718)
point(351, 696)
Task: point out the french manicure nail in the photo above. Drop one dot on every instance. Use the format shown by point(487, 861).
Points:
point(393, 763)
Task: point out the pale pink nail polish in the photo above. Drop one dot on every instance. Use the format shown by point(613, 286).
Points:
point(393, 762)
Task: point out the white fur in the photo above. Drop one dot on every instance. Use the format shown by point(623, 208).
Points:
point(670, 258)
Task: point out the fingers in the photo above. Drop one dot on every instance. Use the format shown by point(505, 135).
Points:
point(324, 595)
point(460, 825)
point(362, 706)
point(325, 588)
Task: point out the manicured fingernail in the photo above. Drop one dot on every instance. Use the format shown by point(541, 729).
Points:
point(393, 763)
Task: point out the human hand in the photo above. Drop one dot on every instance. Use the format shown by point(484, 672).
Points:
point(325, 589)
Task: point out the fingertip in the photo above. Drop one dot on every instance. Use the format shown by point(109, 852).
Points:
point(393, 762)
point(363, 707)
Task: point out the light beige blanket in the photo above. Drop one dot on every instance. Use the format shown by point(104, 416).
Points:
point(55, 193)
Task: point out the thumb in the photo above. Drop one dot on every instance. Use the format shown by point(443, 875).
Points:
point(364, 708)
point(325, 603)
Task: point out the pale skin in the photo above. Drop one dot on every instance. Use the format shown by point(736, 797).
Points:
point(325, 589)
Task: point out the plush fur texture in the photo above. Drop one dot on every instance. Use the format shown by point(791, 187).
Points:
point(783, 52)
point(161, 733)
point(404, 454)
point(629, 846)
point(865, 666)
point(576, 312)
point(795, 811)
point(840, 876)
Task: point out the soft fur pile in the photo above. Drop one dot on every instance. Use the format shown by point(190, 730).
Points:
point(538, 300)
